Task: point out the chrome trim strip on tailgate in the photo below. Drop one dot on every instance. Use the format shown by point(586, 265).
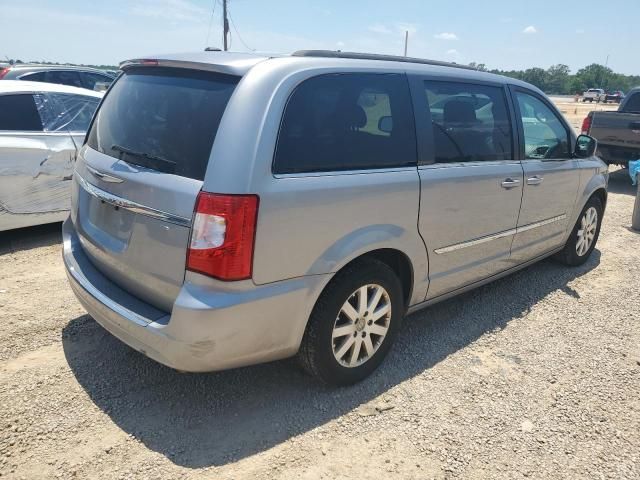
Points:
point(103, 176)
point(495, 236)
point(131, 206)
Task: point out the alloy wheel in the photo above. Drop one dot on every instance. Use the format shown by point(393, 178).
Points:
point(361, 325)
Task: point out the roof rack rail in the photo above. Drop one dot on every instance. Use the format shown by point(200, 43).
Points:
point(375, 56)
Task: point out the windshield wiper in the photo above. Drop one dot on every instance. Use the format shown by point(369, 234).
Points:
point(156, 162)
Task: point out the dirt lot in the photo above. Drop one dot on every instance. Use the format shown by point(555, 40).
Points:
point(575, 112)
point(536, 375)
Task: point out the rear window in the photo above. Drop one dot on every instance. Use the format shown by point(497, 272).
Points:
point(351, 121)
point(162, 118)
point(19, 113)
point(633, 104)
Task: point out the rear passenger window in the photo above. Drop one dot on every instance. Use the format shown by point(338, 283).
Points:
point(19, 113)
point(64, 77)
point(35, 77)
point(545, 136)
point(90, 79)
point(470, 122)
point(347, 122)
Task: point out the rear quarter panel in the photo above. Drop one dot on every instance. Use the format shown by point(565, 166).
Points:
point(314, 223)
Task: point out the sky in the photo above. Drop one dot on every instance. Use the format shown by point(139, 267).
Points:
point(504, 34)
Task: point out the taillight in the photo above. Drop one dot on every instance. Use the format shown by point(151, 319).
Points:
point(586, 125)
point(3, 72)
point(223, 236)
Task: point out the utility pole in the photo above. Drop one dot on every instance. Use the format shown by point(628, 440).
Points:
point(406, 40)
point(225, 24)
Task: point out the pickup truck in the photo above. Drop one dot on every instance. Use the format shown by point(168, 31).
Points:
point(594, 95)
point(618, 133)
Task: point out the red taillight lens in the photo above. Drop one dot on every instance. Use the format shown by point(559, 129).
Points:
point(586, 125)
point(3, 72)
point(223, 236)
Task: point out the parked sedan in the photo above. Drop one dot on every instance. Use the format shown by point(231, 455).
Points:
point(42, 126)
point(81, 77)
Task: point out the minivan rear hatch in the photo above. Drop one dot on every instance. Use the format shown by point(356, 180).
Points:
point(139, 174)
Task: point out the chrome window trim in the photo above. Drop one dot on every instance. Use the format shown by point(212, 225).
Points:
point(131, 206)
point(495, 236)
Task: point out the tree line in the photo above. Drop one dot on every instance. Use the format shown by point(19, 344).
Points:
point(556, 79)
point(559, 80)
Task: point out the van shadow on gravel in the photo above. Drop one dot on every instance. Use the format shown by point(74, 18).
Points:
point(199, 420)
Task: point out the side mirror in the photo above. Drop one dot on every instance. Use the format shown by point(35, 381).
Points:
point(385, 124)
point(586, 146)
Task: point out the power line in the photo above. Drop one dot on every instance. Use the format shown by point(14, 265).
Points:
point(238, 32)
point(213, 10)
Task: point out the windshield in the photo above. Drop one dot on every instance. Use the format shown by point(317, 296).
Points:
point(162, 118)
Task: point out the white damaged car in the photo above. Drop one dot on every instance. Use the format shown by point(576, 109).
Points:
point(42, 126)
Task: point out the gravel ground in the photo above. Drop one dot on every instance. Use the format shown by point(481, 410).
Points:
point(536, 375)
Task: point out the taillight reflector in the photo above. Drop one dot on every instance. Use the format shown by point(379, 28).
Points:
point(3, 72)
point(586, 125)
point(223, 236)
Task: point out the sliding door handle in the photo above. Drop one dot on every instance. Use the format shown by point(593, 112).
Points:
point(510, 183)
point(535, 180)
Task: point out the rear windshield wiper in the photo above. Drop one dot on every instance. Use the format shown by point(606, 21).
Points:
point(155, 162)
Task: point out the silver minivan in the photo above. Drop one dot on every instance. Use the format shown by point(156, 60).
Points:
point(231, 209)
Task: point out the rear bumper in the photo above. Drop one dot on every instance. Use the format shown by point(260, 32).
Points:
point(213, 325)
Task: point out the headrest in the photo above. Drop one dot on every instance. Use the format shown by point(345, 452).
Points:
point(353, 116)
point(457, 111)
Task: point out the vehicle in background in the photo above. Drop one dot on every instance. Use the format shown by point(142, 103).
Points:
point(618, 133)
point(614, 97)
point(230, 209)
point(42, 125)
point(80, 77)
point(593, 95)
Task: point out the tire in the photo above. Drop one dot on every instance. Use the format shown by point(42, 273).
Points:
point(574, 253)
point(320, 350)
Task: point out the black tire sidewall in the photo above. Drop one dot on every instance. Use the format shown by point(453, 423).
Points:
point(327, 367)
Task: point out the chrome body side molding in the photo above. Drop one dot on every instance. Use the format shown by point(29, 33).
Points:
point(495, 236)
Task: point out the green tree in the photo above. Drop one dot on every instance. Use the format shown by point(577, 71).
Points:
point(595, 76)
point(558, 79)
point(536, 76)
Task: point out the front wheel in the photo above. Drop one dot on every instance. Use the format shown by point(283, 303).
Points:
point(353, 323)
point(584, 235)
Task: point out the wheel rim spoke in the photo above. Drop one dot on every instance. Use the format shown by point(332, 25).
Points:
point(343, 330)
point(349, 311)
point(376, 329)
point(368, 345)
point(362, 300)
point(375, 300)
point(344, 348)
point(355, 353)
point(381, 312)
